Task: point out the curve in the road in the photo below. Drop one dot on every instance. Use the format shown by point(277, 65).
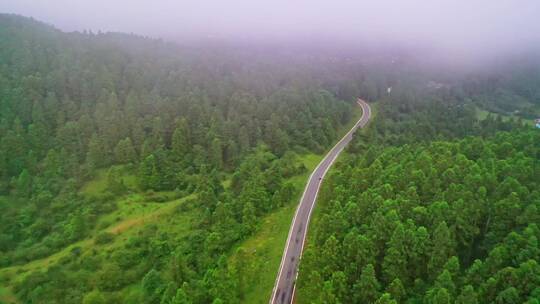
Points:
point(284, 288)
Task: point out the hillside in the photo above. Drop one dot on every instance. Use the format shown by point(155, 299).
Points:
point(131, 168)
point(135, 170)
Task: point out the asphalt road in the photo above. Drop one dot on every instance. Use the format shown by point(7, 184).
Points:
point(284, 288)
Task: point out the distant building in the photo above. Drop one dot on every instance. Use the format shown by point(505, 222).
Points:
point(537, 123)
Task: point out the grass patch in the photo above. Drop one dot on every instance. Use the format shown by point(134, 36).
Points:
point(98, 185)
point(482, 114)
point(149, 213)
point(261, 254)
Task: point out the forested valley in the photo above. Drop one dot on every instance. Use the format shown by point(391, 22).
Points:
point(134, 170)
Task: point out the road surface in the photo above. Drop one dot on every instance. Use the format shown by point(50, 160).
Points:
point(283, 292)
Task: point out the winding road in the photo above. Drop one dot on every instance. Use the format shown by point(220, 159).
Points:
point(284, 288)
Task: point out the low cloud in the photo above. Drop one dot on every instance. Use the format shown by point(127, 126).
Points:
point(459, 27)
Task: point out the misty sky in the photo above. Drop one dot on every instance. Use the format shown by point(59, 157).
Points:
point(452, 24)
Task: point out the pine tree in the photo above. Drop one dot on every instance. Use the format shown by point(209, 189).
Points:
point(216, 153)
point(168, 294)
point(366, 289)
point(149, 173)
point(339, 283)
point(441, 296)
point(180, 297)
point(327, 294)
point(96, 157)
point(243, 140)
point(23, 186)
point(124, 151)
point(421, 250)
point(249, 218)
point(311, 286)
point(508, 296)
point(152, 285)
point(467, 296)
point(115, 183)
point(330, 255)
point(396, 290)
point(395, 261)
point(444, 280)
point(180, 139)
point(443, 249)
point(179, 268)
point(385, 299)
point(94, 297)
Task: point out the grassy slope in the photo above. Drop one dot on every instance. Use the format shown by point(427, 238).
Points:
point(262, 252)
point(133, 212)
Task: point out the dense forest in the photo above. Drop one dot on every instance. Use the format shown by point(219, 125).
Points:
point(431, 205)
point(131, 170)
point(162, 123)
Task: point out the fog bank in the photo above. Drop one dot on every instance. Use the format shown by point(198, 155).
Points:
point(459, 28)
